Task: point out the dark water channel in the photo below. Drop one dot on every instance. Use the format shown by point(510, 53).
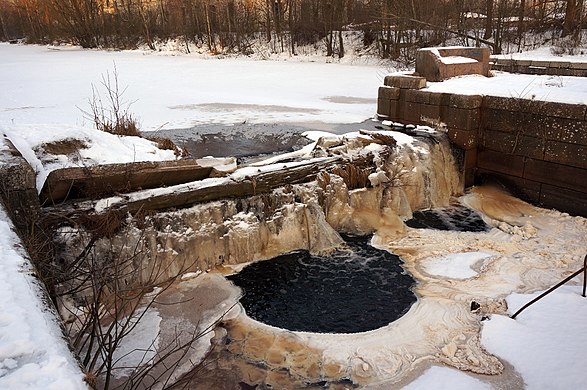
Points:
point(351, 291)
point(245, 140)
point(456, 217)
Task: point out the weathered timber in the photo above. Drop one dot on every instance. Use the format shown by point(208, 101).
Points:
point(186, 195)
point(101, 180)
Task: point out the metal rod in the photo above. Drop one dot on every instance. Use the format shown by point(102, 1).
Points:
point(539, 297)
point(584, 275)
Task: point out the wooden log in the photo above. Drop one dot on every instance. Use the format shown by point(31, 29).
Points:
point(208, 190)
point(103, 180)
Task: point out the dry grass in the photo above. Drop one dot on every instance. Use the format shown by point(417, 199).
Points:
point(126, 126)
point(65, 147)
point(167, 144)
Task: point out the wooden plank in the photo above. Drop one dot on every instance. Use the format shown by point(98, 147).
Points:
point(103, 180)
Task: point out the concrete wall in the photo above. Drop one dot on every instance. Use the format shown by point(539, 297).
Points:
point(538, 149)
point(433, 63)
point(18, 192)
point(554, 68)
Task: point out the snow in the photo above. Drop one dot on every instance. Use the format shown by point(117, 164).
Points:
point(444, 378)
point(98, 147)
point(227, 164)
point(42, 85)
point(140, 345)
point(545, 54)
point(33, 353)
point(455, 265)
point(457, 60)
point(546, 343)
point(563, 89)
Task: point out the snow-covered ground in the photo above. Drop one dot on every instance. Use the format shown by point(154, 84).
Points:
point(33, 352)
point(46, 85)
point(546, 54)
point(563, 89)
point(43, 87)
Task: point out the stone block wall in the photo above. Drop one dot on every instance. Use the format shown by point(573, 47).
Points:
point(554, 68)
point(537, 149)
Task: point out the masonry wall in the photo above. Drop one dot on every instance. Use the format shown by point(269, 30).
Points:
point(537, 149)
point(554, 68)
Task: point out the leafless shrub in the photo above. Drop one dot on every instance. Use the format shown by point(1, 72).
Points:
point(111, 291)
point(112, 114)
point(568, 46)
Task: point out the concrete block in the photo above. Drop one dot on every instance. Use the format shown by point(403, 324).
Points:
point(431, 112)
point(388, 93)
point(504, 163)
point(558, 175)
point(561, 110)
point(567, 154)
point(417, 96)
point(571, 131)
point(578, 65)
point(564, 199)
point(405, 81)
point(466, 101)
point(501, 103)
point(542, 64)
point(412, 113)
point(523, 62)
point(559, 64)
point(462, 138)
point(431, 63)
point(383, 107)
point(498, 141)
point(500, 120)
point(516, 144)
point(461, 118)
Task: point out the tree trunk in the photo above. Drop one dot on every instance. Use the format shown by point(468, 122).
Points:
point(209, 28)
point(4, 32)
point(570, 22)
point(488, 19)
point(521, 13)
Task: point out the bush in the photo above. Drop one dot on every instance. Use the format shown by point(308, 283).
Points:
point(112, 116)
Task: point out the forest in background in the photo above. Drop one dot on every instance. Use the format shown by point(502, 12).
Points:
point(393, 28)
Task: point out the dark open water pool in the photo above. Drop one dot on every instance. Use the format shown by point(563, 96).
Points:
point(351, 291)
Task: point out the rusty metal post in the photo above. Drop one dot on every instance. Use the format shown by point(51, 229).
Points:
point(584, 275)
point(539, 297)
